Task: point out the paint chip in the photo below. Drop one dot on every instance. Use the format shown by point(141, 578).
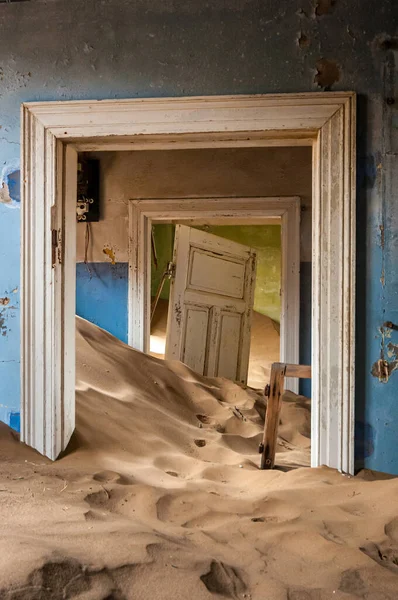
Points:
point(4, 301)
point(3, 326)
point(111, 254)
point(5, 197)
point(10, 187)
point(303, 41)
point(328, 73)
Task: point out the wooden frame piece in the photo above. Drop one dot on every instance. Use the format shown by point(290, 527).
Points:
point(325, 120)
point(274, 392)
point(142, 213)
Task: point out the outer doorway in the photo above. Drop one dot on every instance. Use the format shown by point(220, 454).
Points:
point(216, 211)
point(53, 133)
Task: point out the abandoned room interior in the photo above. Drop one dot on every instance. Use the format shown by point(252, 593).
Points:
point(198, 300)
point(102, 246)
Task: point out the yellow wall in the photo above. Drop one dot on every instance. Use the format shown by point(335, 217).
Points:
point(265, 238)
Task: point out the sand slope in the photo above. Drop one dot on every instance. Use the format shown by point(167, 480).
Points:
point(159, 497)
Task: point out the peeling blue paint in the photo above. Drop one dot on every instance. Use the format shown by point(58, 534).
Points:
point(10, 184)
point(14, 185)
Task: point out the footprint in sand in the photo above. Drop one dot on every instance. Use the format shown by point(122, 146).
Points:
point(113, 477)
point(70, 579)
point(206, 420)
point(352, 583)
point(224, 580)
point(98, 499)
point(200, 443)
point(384, 553)
point(109, 501)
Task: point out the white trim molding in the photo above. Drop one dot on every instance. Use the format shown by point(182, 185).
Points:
point(221, 210)
point(325, 120)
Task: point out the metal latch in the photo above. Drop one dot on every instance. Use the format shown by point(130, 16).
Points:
point(170, 270)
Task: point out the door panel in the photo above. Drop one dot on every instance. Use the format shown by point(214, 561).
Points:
point(228, 347)
point(211, 300)
point(204, 270)
point(196, 323)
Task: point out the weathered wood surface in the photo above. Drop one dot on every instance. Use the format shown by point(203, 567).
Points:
point(300, 371)
point(275, 391)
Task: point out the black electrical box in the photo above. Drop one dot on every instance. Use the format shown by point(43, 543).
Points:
point(88, 188)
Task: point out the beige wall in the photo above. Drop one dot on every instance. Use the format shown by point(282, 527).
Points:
point(182, 173)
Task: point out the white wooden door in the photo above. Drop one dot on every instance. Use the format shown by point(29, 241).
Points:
point(211, 302)
point(48, 279)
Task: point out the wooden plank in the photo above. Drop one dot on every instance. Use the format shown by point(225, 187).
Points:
point(274, 403)
point(300, 371)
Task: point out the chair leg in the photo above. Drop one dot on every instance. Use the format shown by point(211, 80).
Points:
point(276, 387)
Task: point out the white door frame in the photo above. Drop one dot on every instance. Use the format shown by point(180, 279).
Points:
point(221, 210)
point(49, 129)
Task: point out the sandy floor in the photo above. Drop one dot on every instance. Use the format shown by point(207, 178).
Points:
point(159, 497)
point(264, 344)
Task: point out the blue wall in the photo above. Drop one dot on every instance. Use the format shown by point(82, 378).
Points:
point(9, 311)
point(101, 296)
point(68, 49)
point(305, 323)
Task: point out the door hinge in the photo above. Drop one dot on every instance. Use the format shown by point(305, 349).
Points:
point(56, 247)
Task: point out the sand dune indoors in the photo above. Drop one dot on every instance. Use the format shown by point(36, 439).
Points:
point(159, 497)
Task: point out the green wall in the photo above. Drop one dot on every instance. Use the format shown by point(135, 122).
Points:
point(265, 238)
point(164, 242)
